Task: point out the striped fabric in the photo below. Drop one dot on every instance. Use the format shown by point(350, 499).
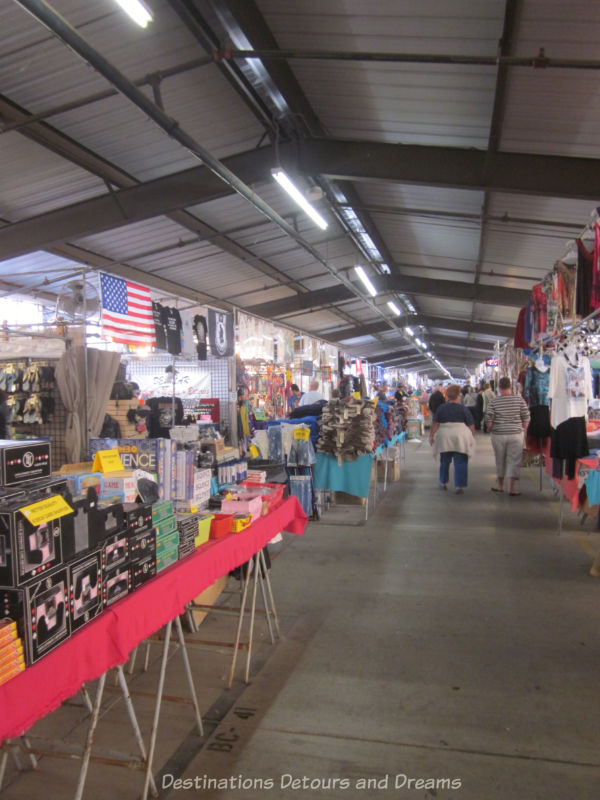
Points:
point(507, 413)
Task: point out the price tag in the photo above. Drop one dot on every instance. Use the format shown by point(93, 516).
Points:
point(107, 461)
point(46, 510)
point(302, 433)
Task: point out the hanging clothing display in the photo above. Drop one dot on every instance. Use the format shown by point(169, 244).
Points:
point(537, 382)
point(539, 301)
point(570, 387)
point(201, 330)
point(569, 442)
point(172, 323)
point(161, 416)
point(159, 326)
point(220, 330)
point(188, 341)
point(585, 267)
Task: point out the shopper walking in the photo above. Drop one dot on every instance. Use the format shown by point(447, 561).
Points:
point(507, 418)
point(436, 399)
point(453, 437)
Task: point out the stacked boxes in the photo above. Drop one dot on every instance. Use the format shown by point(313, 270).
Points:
point(142, 542)
point(187, 525)
point(12, 658)
point(167, 535)
point(85, 589)
point(156, 456)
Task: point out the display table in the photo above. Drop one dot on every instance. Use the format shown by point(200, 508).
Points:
point(108, 640)
point(352, 477)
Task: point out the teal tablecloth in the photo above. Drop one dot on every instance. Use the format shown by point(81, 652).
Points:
point(352, 477)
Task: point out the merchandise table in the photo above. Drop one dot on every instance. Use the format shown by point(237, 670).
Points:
point(107, 641)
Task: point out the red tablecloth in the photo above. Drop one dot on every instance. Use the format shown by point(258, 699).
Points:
point(109, 639)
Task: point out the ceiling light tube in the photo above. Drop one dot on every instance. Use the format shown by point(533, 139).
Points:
point(409, 331)
point(393, 307)
point(296, 195)
point(137, 10)
point(366, 281)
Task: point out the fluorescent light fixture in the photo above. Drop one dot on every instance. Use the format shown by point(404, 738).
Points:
point(366, 281)
point(409, 331)
point(393, 307)
point(137, 10)
point(385, 269)
point(296, 195)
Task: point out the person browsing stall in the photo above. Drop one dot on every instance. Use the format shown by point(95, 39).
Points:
point(312, 396)
point(452, 435)
point(507, 418)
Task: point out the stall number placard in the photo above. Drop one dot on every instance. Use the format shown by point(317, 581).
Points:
point(107, 461)
point(46, 510)
point(302, 433)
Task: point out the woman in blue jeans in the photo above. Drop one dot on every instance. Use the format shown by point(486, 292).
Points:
point(453, 437)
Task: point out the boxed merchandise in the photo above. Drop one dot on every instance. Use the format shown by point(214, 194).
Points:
point(138, 516)
point(26, 550)
point(41, 610)
point(105, 520)
point(243, 503)
point(184, 474)
point(116, 583)
point(7, 675)
point(80, 482)
point(8, 631)
point(240, 522)
point(167, 541)
point(213, 446)
point(161, 511)
point(75, 527)
point(142, 570)
point(142, 544)
point(151, 455)
point(23, 461)
point(165, 526)
point(11, 654)
point(167, 557)
point(119, 484)
point(85, 583)
point(115, 550)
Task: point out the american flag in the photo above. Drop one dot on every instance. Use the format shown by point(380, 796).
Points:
point(126, 312)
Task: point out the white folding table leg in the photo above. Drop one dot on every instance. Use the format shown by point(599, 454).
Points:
point(90, 738)
point(159, 693)
point(263, 563)
point(266, 604)
point(134, 724)
point(252, 616)
point(3, 761)
point(236, 646)
point(86, 698)
point(132, 659)
point(188, 672)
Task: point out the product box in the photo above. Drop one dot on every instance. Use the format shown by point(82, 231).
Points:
point(75, 528)
point(22, 461)
point(161, 511)
point(168, 541)
point(105, 520)
point(243, 504)
point(11, 654)
point(116, 583)
point(151, 455)
point(85, 584)
point(115, 550)
point(166, 558)
point(142, 570)
point(26, 550)
point(138, 517)
point(80, 482)
point(41, 610)
point(119, 484)
point(5, 677)
point(142, 544)
point(8, 631)
point(165, 526)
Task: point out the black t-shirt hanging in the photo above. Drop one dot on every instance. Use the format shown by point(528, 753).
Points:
point(159, 326)
point(161, 416)
point(200, 329)
point(172, 323)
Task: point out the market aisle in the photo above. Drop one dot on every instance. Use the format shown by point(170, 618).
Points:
point(452, 637)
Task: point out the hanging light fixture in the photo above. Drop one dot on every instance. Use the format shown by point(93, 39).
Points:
point(137, 10)
point(393, 307)
point(366, 281)
point(297, 196)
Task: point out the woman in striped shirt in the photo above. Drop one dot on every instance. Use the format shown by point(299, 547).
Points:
point(507, 418)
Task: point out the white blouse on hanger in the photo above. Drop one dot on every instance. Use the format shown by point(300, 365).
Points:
point(571, 387)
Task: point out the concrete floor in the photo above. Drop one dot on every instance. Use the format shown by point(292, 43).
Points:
point(451, 638)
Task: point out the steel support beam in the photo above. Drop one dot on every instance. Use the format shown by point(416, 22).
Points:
point(446, 323)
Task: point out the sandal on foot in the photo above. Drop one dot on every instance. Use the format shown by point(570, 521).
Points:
point(495, 489)
point(514, 494)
